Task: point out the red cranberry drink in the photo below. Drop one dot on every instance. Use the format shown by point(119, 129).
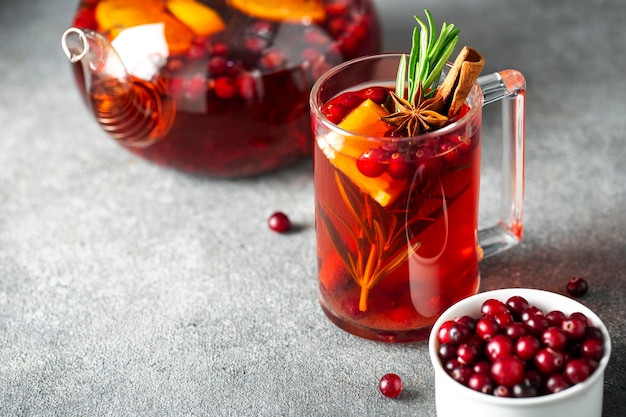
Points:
point(397, 174)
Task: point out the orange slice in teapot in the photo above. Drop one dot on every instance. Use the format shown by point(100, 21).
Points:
point(281, 10)
point(113, 16)
point(201, 19)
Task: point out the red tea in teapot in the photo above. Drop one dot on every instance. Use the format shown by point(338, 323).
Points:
point(228, 92)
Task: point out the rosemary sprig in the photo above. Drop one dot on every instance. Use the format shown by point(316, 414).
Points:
point(429, 54)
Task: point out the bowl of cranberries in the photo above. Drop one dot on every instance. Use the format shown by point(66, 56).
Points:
point(519, 352)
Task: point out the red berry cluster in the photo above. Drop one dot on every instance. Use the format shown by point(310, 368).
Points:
point(515, 349)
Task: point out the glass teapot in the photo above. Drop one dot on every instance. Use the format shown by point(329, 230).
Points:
point(215, 87)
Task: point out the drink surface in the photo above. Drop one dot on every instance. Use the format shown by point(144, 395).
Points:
point(396, 244)
point(238, 73)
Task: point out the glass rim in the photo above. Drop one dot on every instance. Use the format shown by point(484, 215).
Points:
point(317, 113)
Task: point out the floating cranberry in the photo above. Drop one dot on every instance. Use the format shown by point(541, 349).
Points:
point(279, 222)
point(400, 166)
point(377, 94)
point(390, 385)
point(577, 287)
point(225, 87)
point(372, 163)
point(350, 100)
point(507, 370)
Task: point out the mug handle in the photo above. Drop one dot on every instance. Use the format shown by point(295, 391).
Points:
point(510, 87)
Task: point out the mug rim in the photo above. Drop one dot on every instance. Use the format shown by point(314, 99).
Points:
point(316, 106)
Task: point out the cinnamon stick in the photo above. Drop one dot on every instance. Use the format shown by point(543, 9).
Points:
point(460, 79)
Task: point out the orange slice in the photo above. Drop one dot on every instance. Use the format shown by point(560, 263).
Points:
point(117, 15)
point(281, 10)
point(178, 36)
point(201, 19)
point(365, 120)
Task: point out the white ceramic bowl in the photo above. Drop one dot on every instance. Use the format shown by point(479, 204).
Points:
point(581, 400)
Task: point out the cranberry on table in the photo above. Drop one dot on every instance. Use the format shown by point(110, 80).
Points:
point(390, 385)
point(279, 222)
point(577, 287)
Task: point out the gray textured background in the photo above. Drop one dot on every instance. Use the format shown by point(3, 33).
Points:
point(127, 289)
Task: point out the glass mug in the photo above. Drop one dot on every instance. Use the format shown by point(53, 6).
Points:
point(395, 250)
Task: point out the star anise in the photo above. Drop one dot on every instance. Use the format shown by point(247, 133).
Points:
point(412, 119)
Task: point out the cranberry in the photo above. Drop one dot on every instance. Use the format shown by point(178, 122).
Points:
point(577, 287)
point(556, 383)
point(530, 311)
point(469, 352)
point(453, 332)
point(549, 361)
point(574, 327)
point(469, 321)
point(481, 382)
point(554, 337)
point(279, 222)
point(452, 364)
point(527, 347)
point(482, 367)
point(487, 328)
point(502, 391)
point(462, 374)
point(524, 389)
point(555, 318)
point(515, 330)
point(592, 348)
point(400, 166)
point(507, 370)
point(350, 100)
point(593, 332)
point(390, 385)
point(225, 87)
point(377, 94)
point(499, 346)
point(492, 308)
point(577, 370)
point(504, 319)
point(536, 323)
point(371, 163)
point(517, 305)
point(335, 112)
point(447, 351)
